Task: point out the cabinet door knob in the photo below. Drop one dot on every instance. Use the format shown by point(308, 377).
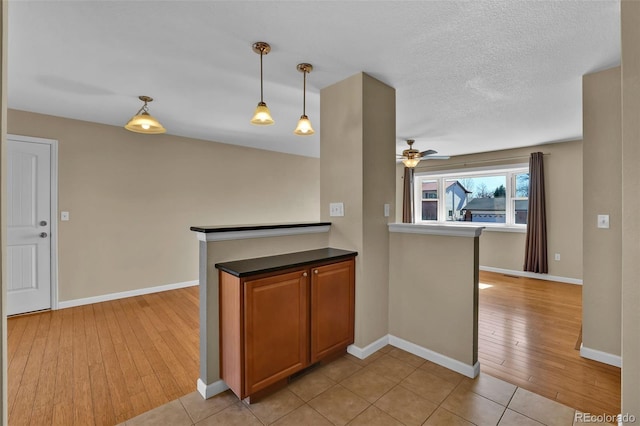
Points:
point(315, 271)
point(304, 274)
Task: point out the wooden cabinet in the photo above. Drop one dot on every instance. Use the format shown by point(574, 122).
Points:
point(274, 324)
point(276, 334)
point(332, 308)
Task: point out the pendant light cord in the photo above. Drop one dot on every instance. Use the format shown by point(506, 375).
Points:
point(304, 93)
point(261, 95)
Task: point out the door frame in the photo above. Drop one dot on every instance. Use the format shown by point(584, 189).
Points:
point(53, 144)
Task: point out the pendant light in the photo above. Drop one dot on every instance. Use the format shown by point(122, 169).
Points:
point(262, 115)
point(143, 122)
point(304, 125)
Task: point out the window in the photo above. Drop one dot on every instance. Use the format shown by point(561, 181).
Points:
point(429, 203)
point(521, 197)
point(497, 197)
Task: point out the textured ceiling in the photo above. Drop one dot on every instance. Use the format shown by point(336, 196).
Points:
point(470, 76)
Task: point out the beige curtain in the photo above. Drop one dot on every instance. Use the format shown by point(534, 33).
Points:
point(535, 255)
point(407, 196)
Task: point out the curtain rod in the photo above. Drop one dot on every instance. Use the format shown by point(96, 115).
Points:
point(493, 160)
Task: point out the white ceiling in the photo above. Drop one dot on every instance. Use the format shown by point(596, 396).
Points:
point(470, 76)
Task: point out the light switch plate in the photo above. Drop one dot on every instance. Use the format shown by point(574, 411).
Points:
point(603, 221)
point(336, 209)
point(64, 216)
point(386, 210)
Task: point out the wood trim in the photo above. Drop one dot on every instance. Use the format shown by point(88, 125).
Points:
point(231, 350)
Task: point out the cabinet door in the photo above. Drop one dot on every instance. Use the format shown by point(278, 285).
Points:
point(276, 321)
point(332, 308)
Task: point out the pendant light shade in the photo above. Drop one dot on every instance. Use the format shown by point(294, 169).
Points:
point(262, 115)
point(143, 122)
point(304, 124)
point(304, 127)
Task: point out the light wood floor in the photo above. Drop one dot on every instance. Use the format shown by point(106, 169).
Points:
point(103, 363)
point(528, 333)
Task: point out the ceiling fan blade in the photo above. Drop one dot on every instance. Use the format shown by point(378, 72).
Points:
point(428, 152)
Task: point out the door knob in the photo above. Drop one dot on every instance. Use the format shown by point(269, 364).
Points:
point(43, 235)
point(43, 223)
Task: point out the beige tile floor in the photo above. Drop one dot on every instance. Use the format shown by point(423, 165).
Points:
point(391, 387)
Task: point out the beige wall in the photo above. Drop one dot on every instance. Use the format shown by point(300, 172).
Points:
point(3, 216)
point(563, 183)
point(631, 206)
point(132, 199)
point(431, 294)
point(357, 168)
point(602, 186)
point(504, 250)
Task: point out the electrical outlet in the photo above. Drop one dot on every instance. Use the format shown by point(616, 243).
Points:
point(603, 221)
point(336, 209)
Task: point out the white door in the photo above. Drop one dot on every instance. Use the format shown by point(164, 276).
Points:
point(28, 226)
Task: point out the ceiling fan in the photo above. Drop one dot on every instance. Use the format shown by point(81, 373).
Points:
point(411, 157)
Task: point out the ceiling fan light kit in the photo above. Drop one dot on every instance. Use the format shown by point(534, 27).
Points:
point(143, 122)
point(262, 115)
point(411, 156)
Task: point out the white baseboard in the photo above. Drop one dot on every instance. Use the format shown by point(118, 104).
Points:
point(362, 353)
point(207, 391)
point(471, 371)
point(532, 275)
point(443, 360)
point(600, 356)
point(121, 295)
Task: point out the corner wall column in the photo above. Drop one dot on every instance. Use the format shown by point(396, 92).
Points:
point(357, 168)
point(630, 14)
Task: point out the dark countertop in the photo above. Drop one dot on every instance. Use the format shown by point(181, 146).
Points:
point(260, 265)
point(235, 228)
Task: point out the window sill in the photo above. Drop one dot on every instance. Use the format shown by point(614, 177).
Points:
point(514, 229)
point(437, 229)
point(485, 226)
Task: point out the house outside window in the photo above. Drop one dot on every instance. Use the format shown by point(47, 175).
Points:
point(429, 203)
point(492, 197)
